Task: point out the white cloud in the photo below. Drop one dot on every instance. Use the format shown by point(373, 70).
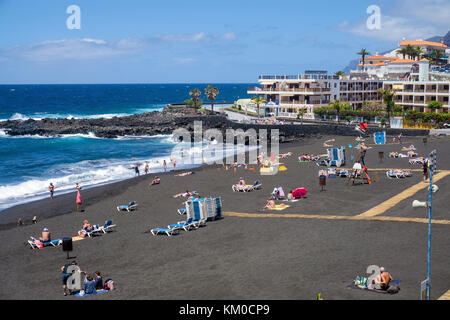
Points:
point(77, 49)
point(405, 19)
point(88, 48)
point(392, 29)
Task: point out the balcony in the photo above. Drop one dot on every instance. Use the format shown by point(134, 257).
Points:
point(298, 77)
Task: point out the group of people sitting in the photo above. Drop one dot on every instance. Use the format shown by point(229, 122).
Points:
point(90, 283)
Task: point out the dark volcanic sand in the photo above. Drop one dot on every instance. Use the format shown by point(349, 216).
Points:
point(237, 258)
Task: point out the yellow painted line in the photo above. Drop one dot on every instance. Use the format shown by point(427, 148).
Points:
point(445, 296)
point(386, 205)
point(331, 217)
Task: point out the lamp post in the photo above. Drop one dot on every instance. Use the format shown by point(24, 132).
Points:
point(432, 164)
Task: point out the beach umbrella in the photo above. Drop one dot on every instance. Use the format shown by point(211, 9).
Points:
point(299, 193)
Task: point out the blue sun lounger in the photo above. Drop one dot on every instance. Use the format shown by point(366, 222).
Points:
point(53, 243)
point(132, 205)
point(379, 137)
point(102, 229)
point(166, 231)
point(182, 211)
point(185, 225)
point(194, 210)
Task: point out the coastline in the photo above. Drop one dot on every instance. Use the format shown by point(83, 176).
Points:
point(236, 257)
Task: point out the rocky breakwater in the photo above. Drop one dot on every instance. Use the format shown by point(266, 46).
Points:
point(150, 123)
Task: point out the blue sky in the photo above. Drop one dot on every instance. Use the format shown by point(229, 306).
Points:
point(147, 41)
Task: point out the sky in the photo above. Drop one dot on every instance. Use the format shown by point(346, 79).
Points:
point(149, 41)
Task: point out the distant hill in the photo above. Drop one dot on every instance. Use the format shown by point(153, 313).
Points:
point(353, 64)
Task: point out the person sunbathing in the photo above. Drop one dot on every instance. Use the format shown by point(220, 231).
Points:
point(185, 174)
point(412, 153)
point(157, 180)
point(184, 194)
point(290, 196)
point(410, 148)
point(46, 236)
point(270, 204)
point(87, 227)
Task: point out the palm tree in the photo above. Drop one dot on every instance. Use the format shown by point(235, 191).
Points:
point(195, 93)
point(300, 115)
point(211, 93)
point(418, 52)
point(435, 56)
point(336, 105)
point(363, 53)
point(410, 50)
point(388, 100)
point(258, 100)
point(340, 73)
point(403, 52)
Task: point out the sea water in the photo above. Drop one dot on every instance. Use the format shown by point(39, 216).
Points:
point(29, 163)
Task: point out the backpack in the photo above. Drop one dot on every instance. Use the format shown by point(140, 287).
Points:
point(393, 289)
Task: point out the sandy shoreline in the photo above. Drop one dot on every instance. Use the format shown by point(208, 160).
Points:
point(235, 258)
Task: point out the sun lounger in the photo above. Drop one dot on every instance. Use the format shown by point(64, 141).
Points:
point(185, 225)
point(420, 160)
point(194, 210)
point(34, 243)
point(103, 229)
point(397, 174)
point(379, 137)
point(166, 231)
point(132, 205)
point(182, 211)
point(343, 173)
point(247, 188)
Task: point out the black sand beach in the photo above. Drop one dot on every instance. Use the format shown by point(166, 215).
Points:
point(239, 257)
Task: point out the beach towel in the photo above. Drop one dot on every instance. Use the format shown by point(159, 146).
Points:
point(90, 294)
point(282, 168)
point(279, 207)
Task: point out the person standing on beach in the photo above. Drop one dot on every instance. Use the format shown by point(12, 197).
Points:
point(425, 171)
point(136, 170)
point(78, 201)
point(51, 189)
point(146, 168)
point(165, 165)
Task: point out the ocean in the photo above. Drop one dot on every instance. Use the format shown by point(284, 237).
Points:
point(29, 163)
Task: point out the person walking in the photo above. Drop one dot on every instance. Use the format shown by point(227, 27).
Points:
point(51, 189)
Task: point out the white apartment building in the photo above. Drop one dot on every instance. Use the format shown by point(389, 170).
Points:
point(286, 95)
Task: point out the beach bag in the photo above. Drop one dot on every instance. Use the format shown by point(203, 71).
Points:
point(393, 289)
point(361, 281)
point(38, 244)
